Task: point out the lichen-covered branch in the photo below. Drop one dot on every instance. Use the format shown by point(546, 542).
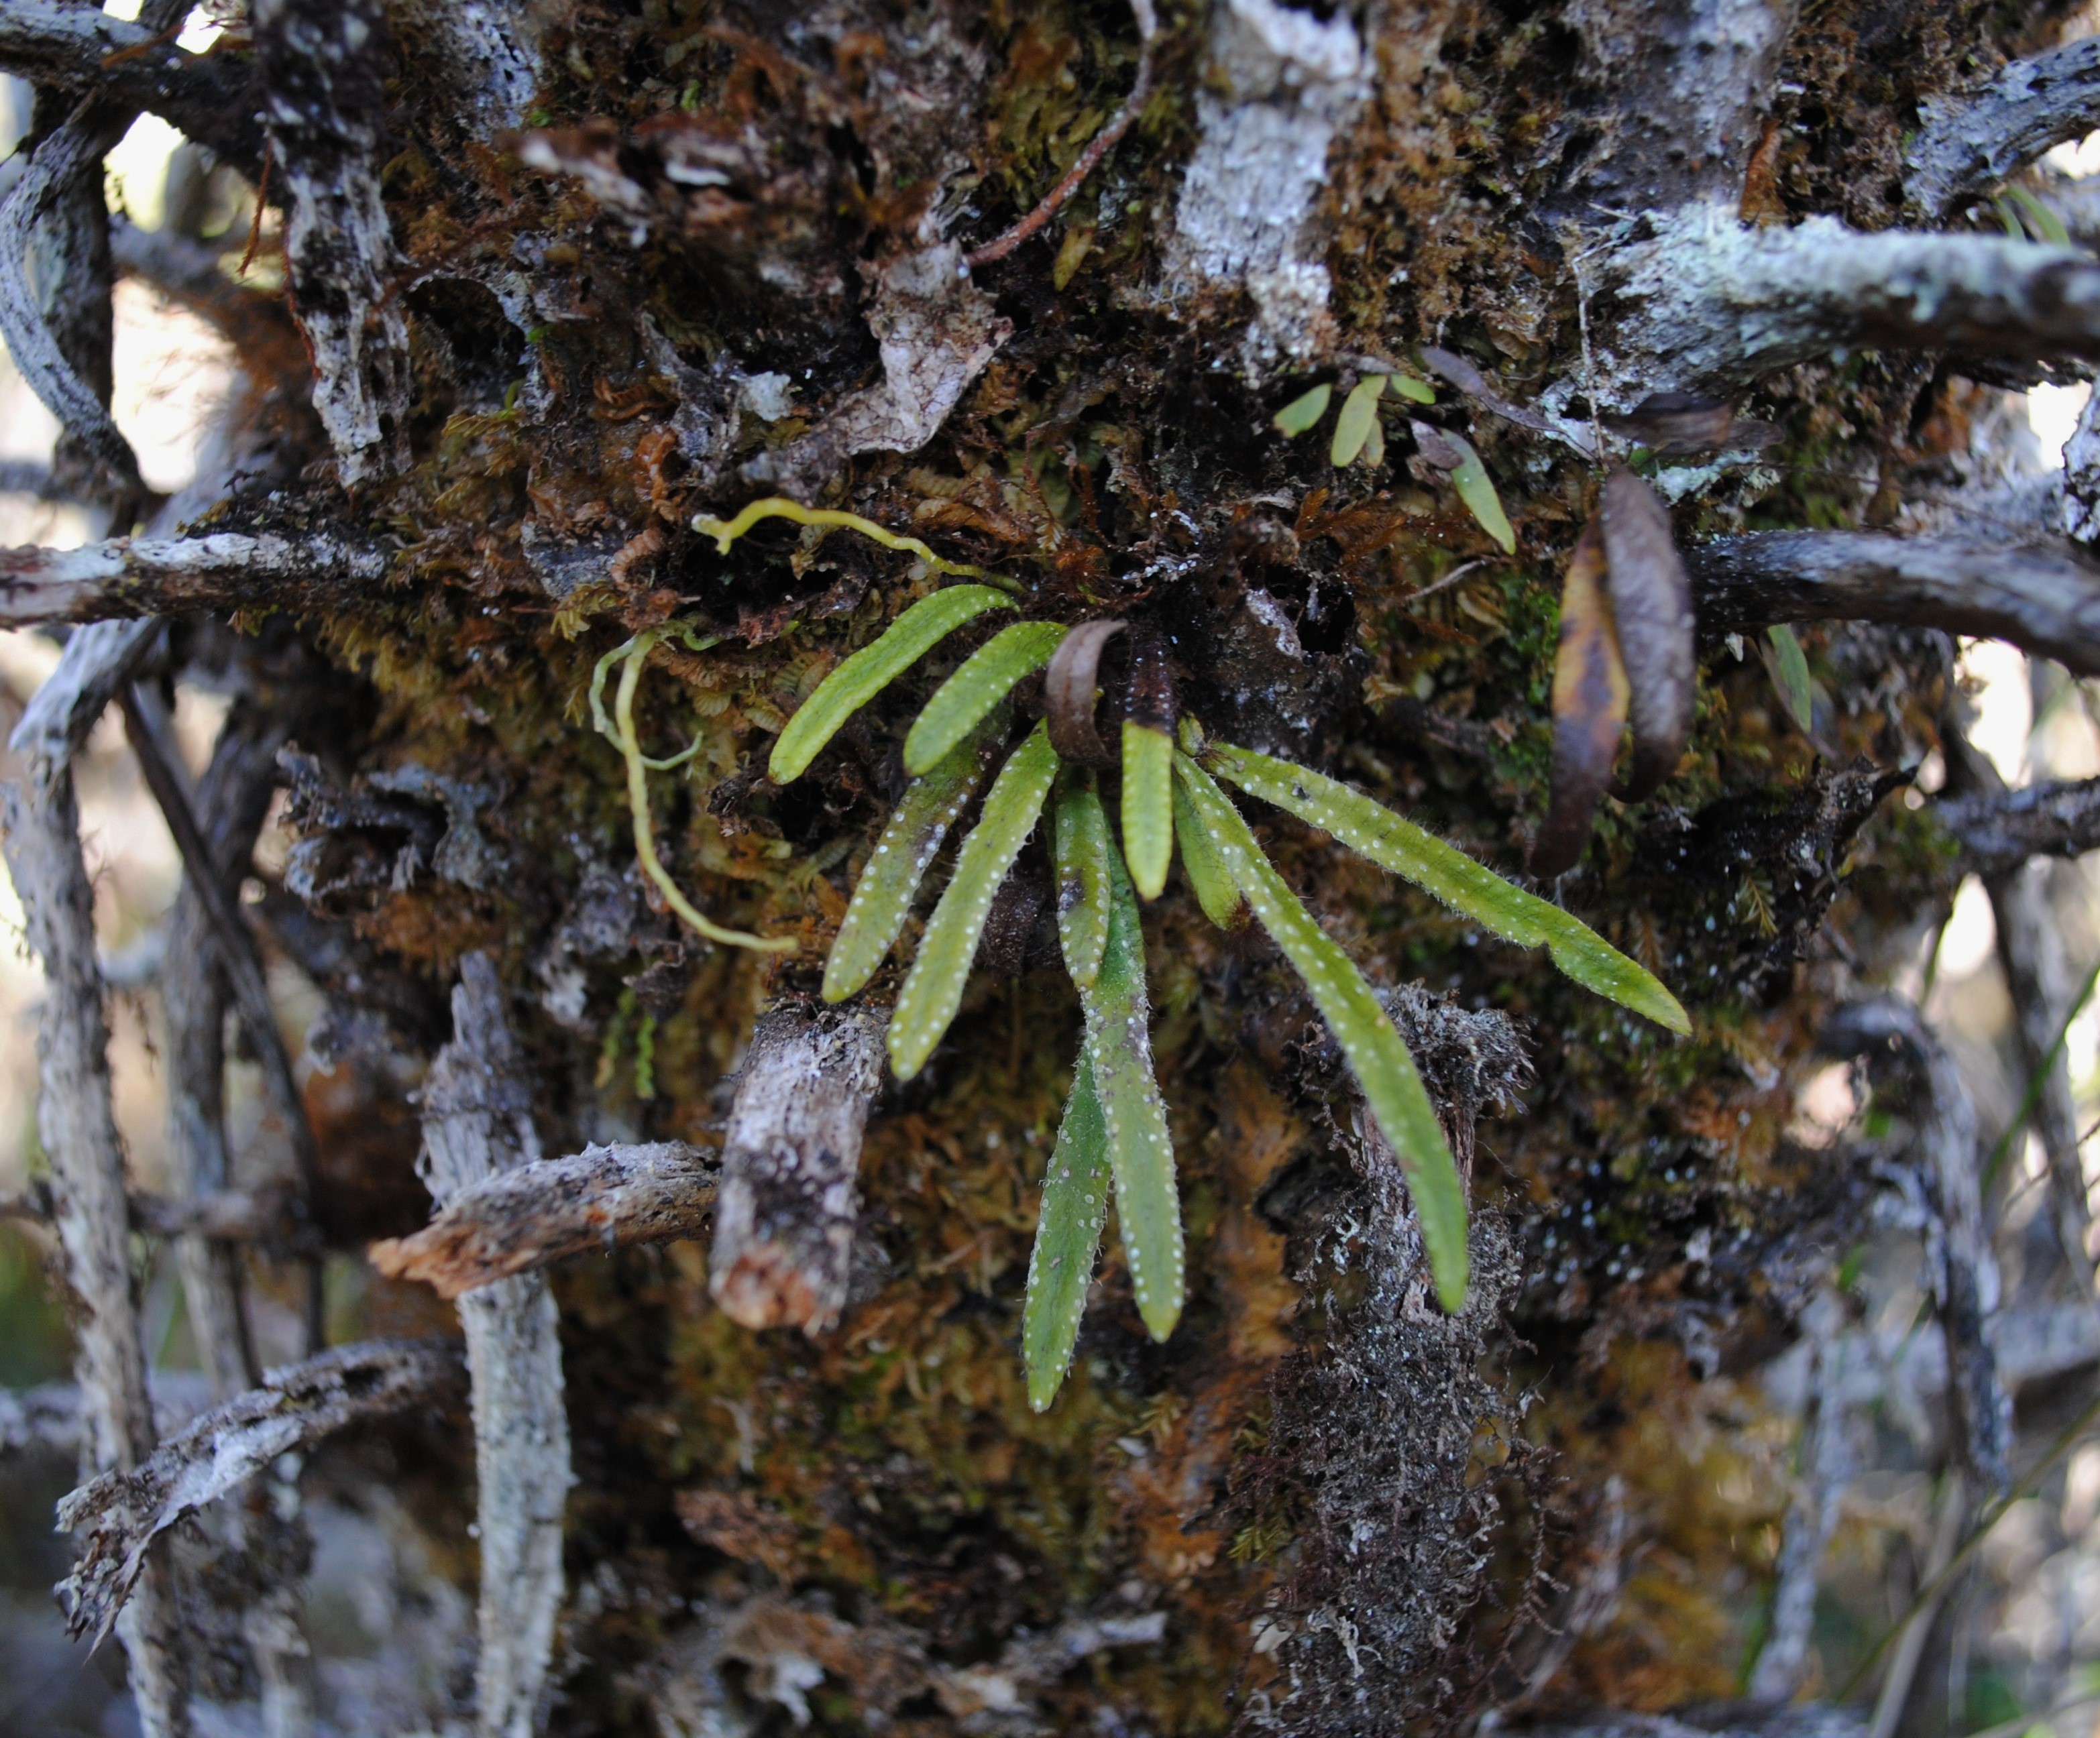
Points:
point(547, 1210)
point(323, 71)
point(1999, 830)
point(477, 1124)
point(127, 577)
point(1962, 1273)
point(1967, 146)
point(2044, 597)
point(1704, 303)
point(126, 1511)
point(788, 1198)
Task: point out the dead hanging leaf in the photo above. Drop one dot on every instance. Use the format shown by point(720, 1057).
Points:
point(1589, 704)
point(1071, 690)
point(1651, 602)
point(1676, 423)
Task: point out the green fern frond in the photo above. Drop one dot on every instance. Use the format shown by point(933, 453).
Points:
point(933, 990)
point(1376, 1053)
point(1476, 489)
point(873, 668)
point(1148, 806)
point(1303, 410)
point(1068, 1237)
point(1358, 420)
point(1215, 890)
point(1470, 888)
point(1082, 851)
point(987, 677)
point(882, 900)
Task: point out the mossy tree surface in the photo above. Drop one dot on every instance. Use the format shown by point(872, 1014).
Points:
point(696, 272)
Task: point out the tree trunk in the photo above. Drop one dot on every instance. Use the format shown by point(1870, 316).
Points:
point(1035, 295)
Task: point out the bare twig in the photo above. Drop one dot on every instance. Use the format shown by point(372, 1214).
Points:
point(547, 1210)
point(1999, 830)
point(789, 1199)
point(2043, 596)
point(1962, 1271)
point(1097, 148)
point(322, 63)
point(84, 51)
point(1947, 1528)
point(206, 878)
point(230, 1216)
point(477, 1123)
point(296, 1407)
point(1969, 145)
point(126, 577)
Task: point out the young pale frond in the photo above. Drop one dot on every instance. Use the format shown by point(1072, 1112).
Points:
point(1303, 410)
point(1468, 887)
point(1416, 390)
point(1376, 1053)
point(985, 680)
point(933, 989)
point(873, 668)
point(909, 843)
point(1082, 851)
point(1118, 1050)
point(1215, 890)
point(1359, 417)
point(1068, 1237)
point(1476, 489)
point(1148, 806)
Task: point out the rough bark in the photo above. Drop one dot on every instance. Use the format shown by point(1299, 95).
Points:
point(224, 570)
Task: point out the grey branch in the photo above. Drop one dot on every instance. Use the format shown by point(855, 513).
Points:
point(231, 1215)
point(1999, 830)
point(84, 51)
point(126, 577)
point(1962, 1273)
point(477, 1125)
point(295, 1408)
point(1707, 303)
point(604, 1198)
point(96, 665)
point(2044, 596)
point(323, 68)
point(1968, 146)
point(789, 1197)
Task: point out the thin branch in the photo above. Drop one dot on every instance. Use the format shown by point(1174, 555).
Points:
point(227, 1216)
point(125, 577)
point(85, 51)
point(1999, 830)
point(238, 956)
point(2044, 597)
point(1968, 146)
point(604, 1198)
point(295, 1409)
point(789, 1200)
point(1097, 148)
point(478, 1124)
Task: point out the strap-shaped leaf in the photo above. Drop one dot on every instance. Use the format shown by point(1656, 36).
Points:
point(1216, 891)
point(1377, 1054)
point(1118, 1046)
point(873, 668)
point(1468, 887)
point(933, 989)
point(1358, 420)
point(1476, 489)
point(1068, 1236)
point(909, 843)
point(1082, 851)
point(1303, 410)
point(1148, 806)
point(972, 691)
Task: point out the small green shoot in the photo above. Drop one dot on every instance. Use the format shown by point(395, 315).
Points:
point(1402, 384)
point(1477, 491)
point(1354, 427)
point(1789, 673)
point(987, 676)
point(1082, 851)
point(726, 532)
point(1303, 411)
point(1377, 1054)
point(872, 669)
point(1148, 806)
point(933, 990)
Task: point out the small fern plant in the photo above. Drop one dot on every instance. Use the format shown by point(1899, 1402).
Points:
point(1113, 1136)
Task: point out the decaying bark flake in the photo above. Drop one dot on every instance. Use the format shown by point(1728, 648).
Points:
point(936, 330)
point(2043, 596)
point(77, 1125)
point(547, 1210)
point(1969, 145)
point(1962, 1272)
point(124, 1511)
point(788, 1199)
point(1279, 85)
point(323, 67)
point(1709, 304)
point(2001, 830)
point(126, 577)
point(477, 1124)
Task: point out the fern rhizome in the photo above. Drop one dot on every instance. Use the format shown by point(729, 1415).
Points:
point(1169, 797)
